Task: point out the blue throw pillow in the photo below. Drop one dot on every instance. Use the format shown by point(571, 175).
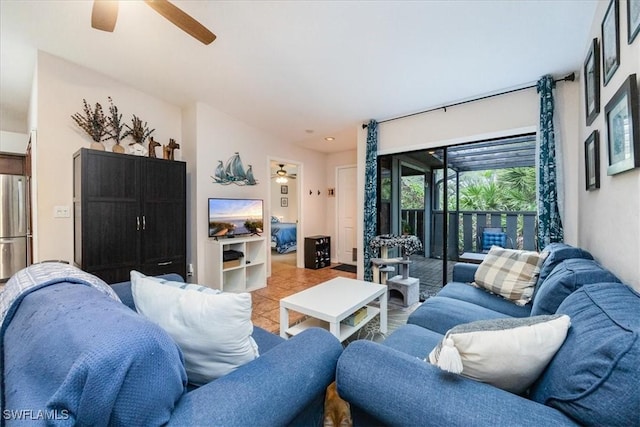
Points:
point(566, 278)
point(491, 238)
point(594, 376)
point(558, 252)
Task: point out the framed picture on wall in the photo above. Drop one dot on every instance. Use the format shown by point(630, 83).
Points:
point(610, 42)
point(284, 189)
point(633, 19)
point(592, 161)
point(284, 202)
point(591, 74)
point(623, 135)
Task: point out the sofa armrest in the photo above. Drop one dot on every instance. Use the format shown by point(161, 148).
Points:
point(398, 389)
point(274, 389)
point(464, 272)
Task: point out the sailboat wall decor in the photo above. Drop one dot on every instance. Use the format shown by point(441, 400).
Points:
point(233, 172)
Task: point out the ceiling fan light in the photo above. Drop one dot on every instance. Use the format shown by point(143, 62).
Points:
point(281, 180)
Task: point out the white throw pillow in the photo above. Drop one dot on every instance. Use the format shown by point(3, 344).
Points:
point(508, 353)
point(510, 273)
point(136, 275)
point(213, 330)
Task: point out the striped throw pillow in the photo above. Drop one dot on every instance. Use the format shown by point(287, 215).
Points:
point(510, 273)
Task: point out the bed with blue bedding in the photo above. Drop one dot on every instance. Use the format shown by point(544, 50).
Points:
point(283, 236)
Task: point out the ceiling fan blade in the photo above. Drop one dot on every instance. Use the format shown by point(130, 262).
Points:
point(104, 15)
point(182, 20)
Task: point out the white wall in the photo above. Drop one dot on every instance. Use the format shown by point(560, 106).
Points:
point(609, 225)
point(13, 142)
point(60, 88)
point(498, 116)
point(218, 136)
point(13, 121)
point(189, 153)
point(206, 135)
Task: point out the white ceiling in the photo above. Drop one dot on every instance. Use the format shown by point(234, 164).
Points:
point(290, 67)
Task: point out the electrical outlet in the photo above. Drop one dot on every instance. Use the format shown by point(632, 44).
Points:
point(61, 212)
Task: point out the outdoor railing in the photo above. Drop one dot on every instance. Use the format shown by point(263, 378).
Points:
point(465, 229)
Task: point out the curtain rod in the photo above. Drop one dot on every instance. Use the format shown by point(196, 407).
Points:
point(568, 78)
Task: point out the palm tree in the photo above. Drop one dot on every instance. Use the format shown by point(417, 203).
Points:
point(505, 189)
point(519, 186)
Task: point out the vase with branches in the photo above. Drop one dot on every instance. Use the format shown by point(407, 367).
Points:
point(94, 123)
point(138, 131)
point(116, 126)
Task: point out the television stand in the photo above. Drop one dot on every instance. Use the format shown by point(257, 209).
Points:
point(247, 274)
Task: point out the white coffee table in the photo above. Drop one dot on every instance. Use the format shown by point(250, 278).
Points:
point(331, 302)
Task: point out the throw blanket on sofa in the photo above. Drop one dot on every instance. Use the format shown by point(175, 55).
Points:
point(74, 353)
point(38, 276)
point(31, 279)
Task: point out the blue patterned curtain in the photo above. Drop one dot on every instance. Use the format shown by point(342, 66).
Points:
point(549, 220)
point(370, 186)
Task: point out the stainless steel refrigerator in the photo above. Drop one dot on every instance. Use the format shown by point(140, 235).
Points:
point(13, 225)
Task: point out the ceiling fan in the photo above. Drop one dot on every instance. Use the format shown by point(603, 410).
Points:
point(105, 14)
point(281, 173)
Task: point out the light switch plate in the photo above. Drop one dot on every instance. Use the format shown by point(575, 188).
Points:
point(61, 212)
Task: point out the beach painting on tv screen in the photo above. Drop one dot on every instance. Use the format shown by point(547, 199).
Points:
point(228, 217)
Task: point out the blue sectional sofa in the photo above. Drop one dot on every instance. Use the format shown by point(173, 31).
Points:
point(592, 379)
point(74, 356)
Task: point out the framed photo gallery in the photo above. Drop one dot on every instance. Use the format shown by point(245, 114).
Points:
point(622, 135)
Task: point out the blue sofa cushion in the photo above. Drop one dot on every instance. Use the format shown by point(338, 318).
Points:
point(594, 377)
point(440, 314)
point(567, 277)
point(558, 252)
point(484, 298)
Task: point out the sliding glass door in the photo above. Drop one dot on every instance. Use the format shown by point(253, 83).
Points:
point(447, 196)
point(409, 204)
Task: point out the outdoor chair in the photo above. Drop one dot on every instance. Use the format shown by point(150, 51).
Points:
point(493, 236)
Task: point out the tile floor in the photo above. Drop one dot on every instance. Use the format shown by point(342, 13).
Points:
point(286, 280)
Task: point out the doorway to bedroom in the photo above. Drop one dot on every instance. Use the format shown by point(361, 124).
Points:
point(284, 213)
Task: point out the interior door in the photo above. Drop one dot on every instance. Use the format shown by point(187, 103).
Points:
point(346, 197)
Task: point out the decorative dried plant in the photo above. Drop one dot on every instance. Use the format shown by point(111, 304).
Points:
point(93, 122)
point(116, 127)
point(138, 131)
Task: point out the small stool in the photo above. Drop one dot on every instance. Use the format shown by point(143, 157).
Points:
point(409, 288)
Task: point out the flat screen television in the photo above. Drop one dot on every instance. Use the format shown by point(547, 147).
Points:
point(232, 217)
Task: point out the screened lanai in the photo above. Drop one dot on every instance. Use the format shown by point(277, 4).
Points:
point(415, 198)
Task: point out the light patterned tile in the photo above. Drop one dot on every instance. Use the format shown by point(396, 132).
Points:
point(286, 280)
